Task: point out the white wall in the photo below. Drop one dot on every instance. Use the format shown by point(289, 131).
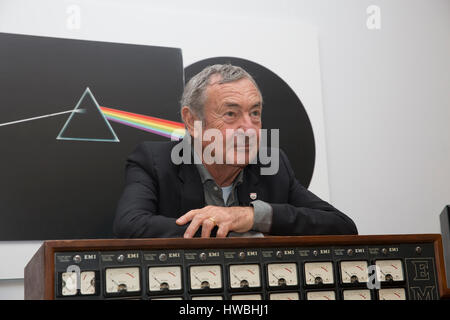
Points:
point(11, 289)
point(386, 93)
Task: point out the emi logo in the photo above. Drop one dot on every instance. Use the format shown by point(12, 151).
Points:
point(426, 293)
point(422, 272)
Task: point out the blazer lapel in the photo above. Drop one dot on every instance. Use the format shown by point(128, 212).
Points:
point(249, 187)
point(191, 188)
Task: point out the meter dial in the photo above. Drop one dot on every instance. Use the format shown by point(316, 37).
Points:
point(168, 298)
point(69, 283)
point(389, 270)
point(208, 298)
point(88, 282)
point(246, 297)
point(317, 273)
point(164, 278)
point(321, 295)
point(122, 280)
point(354, 272)
point(284, 296)
point(363, 294)
point(206, 277)
point(245, 276)
point(392, 294)
point(282, 274)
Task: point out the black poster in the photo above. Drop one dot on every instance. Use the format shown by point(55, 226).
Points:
point(71, 111)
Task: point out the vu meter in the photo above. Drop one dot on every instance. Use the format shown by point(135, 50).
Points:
point(122, 280)
point(246, 297)
point(389, 270)
point(207, 298)
point(363, 294)
point(206, 277)
point(321, 295)
point(284, 296)
point(245, 276)
point(354, 272)
point(164, 278)
point(282, 274)
point(69, 283)
point(392, 294)
point(87, 282)
point(318, 273)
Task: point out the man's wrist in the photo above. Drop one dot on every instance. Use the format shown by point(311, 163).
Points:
point(243, 218)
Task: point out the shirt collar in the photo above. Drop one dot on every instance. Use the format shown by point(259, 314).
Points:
point(205, 175)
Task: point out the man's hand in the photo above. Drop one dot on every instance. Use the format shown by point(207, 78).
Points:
point(238, 219)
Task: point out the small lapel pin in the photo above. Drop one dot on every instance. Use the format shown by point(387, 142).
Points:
point(253, 195)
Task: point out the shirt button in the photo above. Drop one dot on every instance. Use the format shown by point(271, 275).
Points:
point(215, 188)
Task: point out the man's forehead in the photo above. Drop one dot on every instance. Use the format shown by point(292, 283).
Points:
point(242, 86)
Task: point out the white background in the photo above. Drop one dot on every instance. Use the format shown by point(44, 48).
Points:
point(385, 93)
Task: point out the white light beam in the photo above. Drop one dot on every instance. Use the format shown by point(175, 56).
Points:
point(41, 117)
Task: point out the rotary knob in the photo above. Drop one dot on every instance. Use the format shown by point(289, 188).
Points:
point(77, 258)
point(121, 258)
point(203, 256)
point(162, 257)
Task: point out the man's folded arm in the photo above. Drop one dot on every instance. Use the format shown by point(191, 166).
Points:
point(137, 215)
point(307, 214)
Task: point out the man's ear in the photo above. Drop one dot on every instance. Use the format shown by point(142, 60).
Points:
point(188, 118)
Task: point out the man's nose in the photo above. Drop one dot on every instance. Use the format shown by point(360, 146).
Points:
point(246, 123)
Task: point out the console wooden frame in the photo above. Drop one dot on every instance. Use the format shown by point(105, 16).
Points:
point(39, 272)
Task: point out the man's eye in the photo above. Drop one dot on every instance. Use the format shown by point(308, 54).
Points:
point(230, 114)
point(255, 113)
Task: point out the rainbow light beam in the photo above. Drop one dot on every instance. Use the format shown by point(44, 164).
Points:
point(165, 128)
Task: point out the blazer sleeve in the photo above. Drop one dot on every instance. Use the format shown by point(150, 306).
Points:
point(305, 213)
point(137, 210)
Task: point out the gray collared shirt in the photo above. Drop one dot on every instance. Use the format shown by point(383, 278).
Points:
point(214, 195)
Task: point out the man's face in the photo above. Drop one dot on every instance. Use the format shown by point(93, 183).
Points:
point(234, 109)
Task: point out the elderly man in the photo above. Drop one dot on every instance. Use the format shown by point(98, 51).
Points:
point(225, 197)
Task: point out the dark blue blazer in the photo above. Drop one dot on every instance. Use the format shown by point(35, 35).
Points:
point(157, 192)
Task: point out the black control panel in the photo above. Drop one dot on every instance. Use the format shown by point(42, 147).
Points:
point(367, 272)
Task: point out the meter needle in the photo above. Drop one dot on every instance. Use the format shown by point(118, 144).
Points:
point(197, 278)
point(156, 280)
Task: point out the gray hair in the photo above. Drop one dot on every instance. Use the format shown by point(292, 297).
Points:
point(194, 92)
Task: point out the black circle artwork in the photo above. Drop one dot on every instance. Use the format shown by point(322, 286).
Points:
point(282, 110)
